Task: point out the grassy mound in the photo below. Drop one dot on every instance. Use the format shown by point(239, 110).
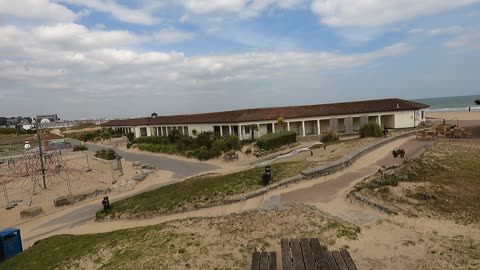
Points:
point(198, 191)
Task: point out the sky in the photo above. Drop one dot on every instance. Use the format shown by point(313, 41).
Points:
point(118, 58)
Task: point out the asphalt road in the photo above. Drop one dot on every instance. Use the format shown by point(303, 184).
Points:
point(180, 168)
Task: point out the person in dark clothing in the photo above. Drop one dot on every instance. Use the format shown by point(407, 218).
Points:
point(385, 131)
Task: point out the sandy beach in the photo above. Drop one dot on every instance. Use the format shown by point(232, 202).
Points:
point(454, 115)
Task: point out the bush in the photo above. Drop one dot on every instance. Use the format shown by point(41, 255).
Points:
point(371, 130)
point(275, 140)
point(129, 145)
point(248, 151)
point(107, 154)
point(151, 140)
point(78, 148)
point(205, 139)
point(185, 143)
point(232, 143)
point(330, 136)
point(158, 148)
point(130, 136)
point(7, 131)
point(174, 136)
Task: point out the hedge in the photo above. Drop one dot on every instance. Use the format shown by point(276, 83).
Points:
point(275, 140)
point(158, 148)
point(152, 140)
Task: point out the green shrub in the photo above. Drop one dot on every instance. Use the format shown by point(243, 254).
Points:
point(330, 136)
point(248, 151)
point(174, 136)
point(219, 144)
point(186, 143)
point(78, 148)
point(129, 145)
point(371, 130)
point(205, 139)
point(158, 148)
point(7, 131)
point(232, 143)
point(151, 140)
point(130, 136)
point(107, 154)
point(275, 140)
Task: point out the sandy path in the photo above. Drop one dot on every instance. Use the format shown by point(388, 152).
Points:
point(327, 193)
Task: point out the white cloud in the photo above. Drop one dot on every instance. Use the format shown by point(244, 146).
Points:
point(120, 12)
point(378, 13)
point(172, 36)
point(65, 58)
point(243, 8)
point(446, 31)
point(469, 40)
point(41, 10)
point(75, 36)
point(206, 6)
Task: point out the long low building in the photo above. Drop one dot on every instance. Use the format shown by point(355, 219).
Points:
point(346, 117)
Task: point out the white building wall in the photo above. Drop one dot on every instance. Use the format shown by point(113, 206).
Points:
point(403, 119)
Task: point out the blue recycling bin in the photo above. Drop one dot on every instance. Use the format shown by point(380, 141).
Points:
point(10, 243)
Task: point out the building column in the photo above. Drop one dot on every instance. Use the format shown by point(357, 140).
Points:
point(221, 131)
point(318, 127)
point(273, 127)
point(240, 132)
point(138, 134)
point(348, 125)
point(149, 131)
point(303, 128)
point(288, 126)
point(229, 130)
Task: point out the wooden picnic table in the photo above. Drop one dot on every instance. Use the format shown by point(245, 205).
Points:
point(264, 261)
point(307, 254)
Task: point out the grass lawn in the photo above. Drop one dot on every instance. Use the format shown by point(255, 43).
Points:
point(198, 243)
point(444, 181)
point(199, 191)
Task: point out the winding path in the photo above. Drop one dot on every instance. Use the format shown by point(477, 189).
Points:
point(327, 193)
point(180, 168)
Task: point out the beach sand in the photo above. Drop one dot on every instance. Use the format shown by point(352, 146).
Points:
point(454, 115)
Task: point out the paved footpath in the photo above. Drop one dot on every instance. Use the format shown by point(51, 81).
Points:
point(180, 168)
point(327, 193)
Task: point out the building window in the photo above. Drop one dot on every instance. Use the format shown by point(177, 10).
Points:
point(185, 130)
point(247, 130)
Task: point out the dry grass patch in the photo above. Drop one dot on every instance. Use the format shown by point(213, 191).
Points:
point(198, 243)
point(443, 182)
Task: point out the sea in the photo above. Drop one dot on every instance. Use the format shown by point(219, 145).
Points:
point(457, 103)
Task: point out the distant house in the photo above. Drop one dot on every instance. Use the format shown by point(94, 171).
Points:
point(346, 117)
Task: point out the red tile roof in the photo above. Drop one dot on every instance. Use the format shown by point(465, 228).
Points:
point(261, 114)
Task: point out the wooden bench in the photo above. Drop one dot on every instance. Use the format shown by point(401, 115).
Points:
point(264, 261)
point(307, 254)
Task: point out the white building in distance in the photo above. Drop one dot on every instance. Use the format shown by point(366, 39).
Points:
point(345, 118)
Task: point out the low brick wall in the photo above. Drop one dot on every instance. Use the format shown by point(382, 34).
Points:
point(375, 205)
point(349, 159)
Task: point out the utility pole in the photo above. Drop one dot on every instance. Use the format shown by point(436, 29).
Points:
point(41, 153)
